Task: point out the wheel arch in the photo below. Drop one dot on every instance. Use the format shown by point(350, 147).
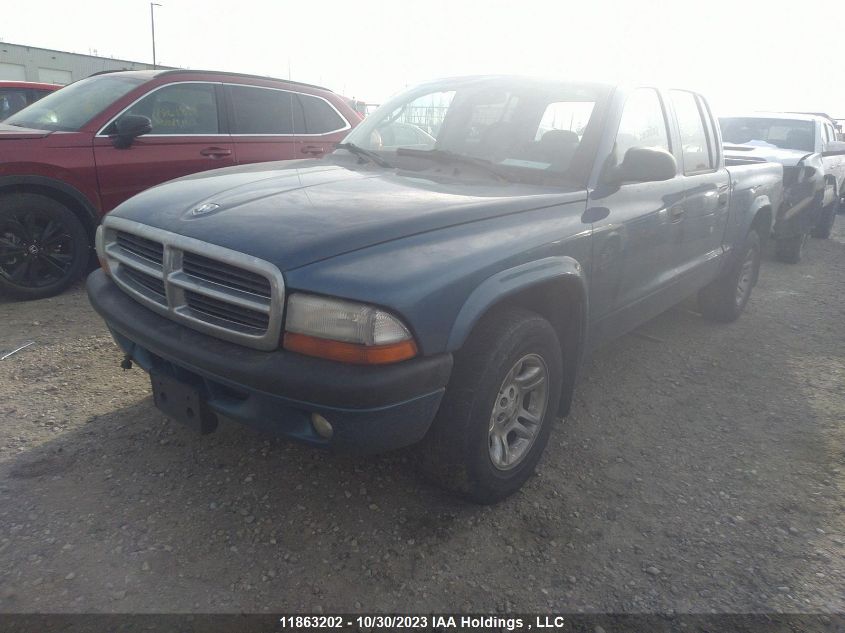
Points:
point(553, 287)
point(60, 191)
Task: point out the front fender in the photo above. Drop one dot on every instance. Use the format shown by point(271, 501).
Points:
point(507, 283)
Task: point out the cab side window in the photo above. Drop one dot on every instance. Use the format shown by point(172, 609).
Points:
point(265, 111)
point(186, 108)
point(320, 117)
point(643, 123)
point(12, 100)
point(695, 147)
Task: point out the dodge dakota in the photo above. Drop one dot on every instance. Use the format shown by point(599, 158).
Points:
point(440, 293)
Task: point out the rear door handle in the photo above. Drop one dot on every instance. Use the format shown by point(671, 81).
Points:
point(216, 152)
point(313, 149)
point(676, 213)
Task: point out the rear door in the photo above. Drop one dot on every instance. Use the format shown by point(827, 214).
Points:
point(188, 136)
point(270, 124)
point(634, 246)
point(706, 192)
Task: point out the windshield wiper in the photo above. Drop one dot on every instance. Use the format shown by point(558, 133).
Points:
point(446, 156)
point(364, 153)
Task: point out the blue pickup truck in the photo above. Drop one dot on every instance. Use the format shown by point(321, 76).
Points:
point(440, 292)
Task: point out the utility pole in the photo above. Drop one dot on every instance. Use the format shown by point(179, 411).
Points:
point(153, 26)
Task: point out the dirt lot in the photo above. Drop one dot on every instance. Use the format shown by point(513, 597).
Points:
point(702, 469)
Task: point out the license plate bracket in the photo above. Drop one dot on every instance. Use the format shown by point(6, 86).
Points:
point(182, 402)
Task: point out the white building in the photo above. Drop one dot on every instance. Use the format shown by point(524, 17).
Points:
point(30, 63)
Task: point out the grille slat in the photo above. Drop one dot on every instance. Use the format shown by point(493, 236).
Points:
point(142, 279)
point(226, 311)
point(225, 274)
point(141, 246)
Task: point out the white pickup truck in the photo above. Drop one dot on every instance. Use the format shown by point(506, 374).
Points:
point(808, 133)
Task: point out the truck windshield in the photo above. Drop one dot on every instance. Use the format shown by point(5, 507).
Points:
point(783, 133)
point(515, 127)
point(73, 106)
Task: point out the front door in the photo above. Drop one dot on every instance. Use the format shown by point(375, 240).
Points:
point(634, 246)
point(186, 137)
point(706, 193)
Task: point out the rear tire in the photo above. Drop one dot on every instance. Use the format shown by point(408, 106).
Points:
point(494, 423)
point(44, 248)
point(726, 297)
point(790, 250)
point(826, 219)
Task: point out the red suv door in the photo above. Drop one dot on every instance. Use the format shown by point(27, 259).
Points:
point(279, 124)
point(187, 136)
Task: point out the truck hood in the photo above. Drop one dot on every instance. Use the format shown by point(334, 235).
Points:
point(297, 212)
point(767, 152)
point(12, 132)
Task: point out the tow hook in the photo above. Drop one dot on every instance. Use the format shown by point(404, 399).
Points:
point(126, 363)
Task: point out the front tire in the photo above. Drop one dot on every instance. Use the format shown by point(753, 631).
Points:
point(790, 250)
point(825, 224)
point(495, 419)
point(726, 297)
point(44, 247)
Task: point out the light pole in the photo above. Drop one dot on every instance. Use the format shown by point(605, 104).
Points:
point(153, 25)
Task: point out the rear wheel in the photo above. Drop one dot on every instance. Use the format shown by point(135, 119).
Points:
point(498, 410)
point(790, 250)
point(725, 298)
point(43, 246)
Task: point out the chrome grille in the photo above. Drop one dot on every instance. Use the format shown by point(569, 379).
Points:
point(222, 292)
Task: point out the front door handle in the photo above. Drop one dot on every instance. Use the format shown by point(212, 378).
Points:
point(676, 213)
point(313, 150)
point(216, 152)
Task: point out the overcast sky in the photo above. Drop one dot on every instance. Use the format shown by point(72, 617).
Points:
point(741, 53)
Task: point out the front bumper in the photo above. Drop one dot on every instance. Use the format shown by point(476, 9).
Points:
point(371, 409)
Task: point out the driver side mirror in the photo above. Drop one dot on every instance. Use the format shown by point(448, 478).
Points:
point(642, 164)
point(128, 128)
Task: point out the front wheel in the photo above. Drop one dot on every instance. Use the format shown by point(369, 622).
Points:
point(43, 246)
point(825, 224)
point(725, 298)
point(790, 250)
point(496, 416)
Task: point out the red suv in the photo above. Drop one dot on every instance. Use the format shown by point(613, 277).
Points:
point(16, 95)
point(74, 155)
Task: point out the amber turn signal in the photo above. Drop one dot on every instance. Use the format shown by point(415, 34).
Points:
point(349, 352)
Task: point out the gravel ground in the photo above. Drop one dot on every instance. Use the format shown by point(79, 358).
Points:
point(702, 470)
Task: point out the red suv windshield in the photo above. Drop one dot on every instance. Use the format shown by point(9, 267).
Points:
point(72, 107)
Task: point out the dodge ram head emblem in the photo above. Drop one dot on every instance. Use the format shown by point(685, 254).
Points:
point(204, 209)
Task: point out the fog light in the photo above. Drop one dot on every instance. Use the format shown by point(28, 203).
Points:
point(322, 426)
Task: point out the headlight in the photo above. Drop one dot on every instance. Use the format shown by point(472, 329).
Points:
point(345, 331)
point(100, 248)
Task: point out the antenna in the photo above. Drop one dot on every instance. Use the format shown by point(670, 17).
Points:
point(293, 99)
